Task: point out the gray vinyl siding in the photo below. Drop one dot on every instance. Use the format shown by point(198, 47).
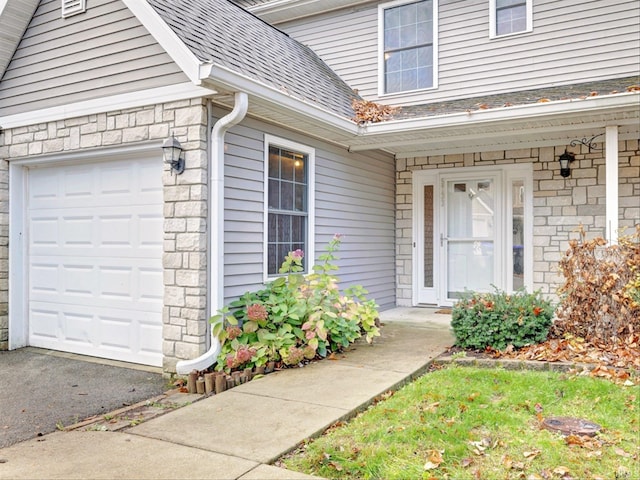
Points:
point(354, 196)
point(104, 51)
point(571, 42)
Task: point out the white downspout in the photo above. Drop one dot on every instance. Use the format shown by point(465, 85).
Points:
point(216, 226)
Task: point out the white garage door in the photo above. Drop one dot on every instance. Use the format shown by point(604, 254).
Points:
point(95, 264)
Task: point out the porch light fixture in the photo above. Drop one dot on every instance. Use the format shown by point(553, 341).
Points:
point(565, 159)
point(173, 154)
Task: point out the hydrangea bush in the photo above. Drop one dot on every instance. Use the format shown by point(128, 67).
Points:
point(295, 317)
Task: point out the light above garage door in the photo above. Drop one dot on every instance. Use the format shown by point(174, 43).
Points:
point(95, 259)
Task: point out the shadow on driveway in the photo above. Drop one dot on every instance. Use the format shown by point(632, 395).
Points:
point(40, 389)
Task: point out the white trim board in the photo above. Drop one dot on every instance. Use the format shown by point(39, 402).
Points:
point(153, 96)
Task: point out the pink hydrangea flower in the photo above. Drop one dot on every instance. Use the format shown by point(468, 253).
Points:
point(233, 332)
point(297, 254)
point(257, 312)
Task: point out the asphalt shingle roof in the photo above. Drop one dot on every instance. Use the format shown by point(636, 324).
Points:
point(564, 92)
point(220, 31)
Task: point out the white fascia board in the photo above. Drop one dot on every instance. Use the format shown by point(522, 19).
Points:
point(507, 114)
point(279, 11)
point(166, 37)
point(153, 96)
point(224, 78)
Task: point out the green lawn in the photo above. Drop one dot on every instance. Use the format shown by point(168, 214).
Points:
point(469, 423)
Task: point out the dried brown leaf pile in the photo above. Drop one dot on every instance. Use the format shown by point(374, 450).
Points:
point(596, 301)
point(371, 112)
point(610, 361)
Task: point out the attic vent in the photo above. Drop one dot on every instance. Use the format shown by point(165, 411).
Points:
point(73, 7)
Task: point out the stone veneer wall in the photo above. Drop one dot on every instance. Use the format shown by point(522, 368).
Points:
point(185, 205)
point(560, 205)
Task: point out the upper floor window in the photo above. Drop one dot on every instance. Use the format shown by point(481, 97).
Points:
point(289, 199)
point(510, 16)
point(407, 46)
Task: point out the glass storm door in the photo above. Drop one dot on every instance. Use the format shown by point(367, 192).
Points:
point(468, 235)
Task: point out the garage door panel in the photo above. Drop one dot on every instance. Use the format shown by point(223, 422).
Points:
point(120, 286)
point(77, 280)
point(78, 230)
point(111, 183)
point(77, 327)
point(120, 334)
point(44, 231)
point(95, 268)
point(150, 285)
point(150, 232)
point(43, 325)
point(45, 278)
point(131, 235)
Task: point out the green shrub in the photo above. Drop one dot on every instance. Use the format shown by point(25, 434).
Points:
point(497, 319)
point(295, 317)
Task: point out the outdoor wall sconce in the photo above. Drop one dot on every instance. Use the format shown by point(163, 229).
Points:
point(172, 153)
point(565, 159)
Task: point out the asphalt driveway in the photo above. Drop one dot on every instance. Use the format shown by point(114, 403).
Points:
point(40, 389)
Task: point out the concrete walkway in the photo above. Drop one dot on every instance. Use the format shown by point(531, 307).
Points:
point(239, 433)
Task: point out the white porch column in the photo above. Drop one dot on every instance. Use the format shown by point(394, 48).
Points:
point(611, 175)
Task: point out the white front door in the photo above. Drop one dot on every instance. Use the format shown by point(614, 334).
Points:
point(94, 267)
point(472, 231)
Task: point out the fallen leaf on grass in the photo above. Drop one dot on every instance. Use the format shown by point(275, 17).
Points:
point(434, 459)
point(583, 441)
point(466, 462)
point(531, 454)
point(432, 407)
point(621, 452)
point(561, 471)
point(449, 421)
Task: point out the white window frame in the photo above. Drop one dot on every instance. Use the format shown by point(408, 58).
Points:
point(309, 253)
point(73, 7)
point(493, 20)
point(381, 70)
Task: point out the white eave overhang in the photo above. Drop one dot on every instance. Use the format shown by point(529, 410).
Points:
point(540, 124)
point(278, 106)
point(280, 11)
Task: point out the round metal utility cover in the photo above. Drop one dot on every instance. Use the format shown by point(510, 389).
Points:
point(571, 426)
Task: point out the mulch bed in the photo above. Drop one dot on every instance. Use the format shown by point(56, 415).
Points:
point(619, 362)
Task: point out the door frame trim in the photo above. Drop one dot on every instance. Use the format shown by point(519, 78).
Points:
point(508, 173)
point(18, 228)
